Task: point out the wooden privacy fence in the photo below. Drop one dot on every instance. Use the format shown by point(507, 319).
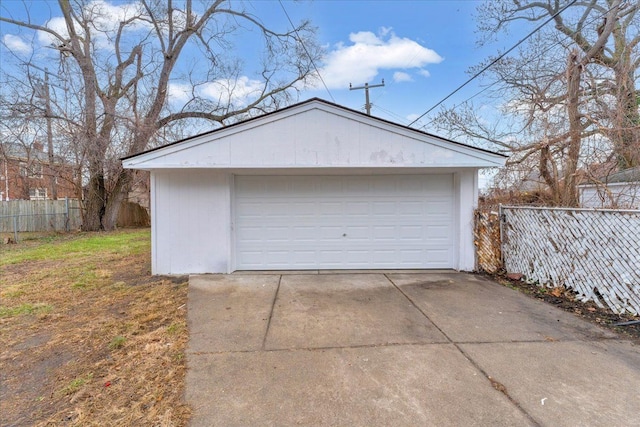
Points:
point(595, 253)
point(39, 215)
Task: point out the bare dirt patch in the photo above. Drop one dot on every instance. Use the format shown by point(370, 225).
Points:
point(88, 336)
point(566, 300)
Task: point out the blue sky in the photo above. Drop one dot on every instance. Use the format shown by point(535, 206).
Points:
point(414, 82)
point(422, 49)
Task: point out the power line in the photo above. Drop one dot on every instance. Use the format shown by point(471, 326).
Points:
point(496, 60)
point(455, 106)
point(401, 120)
point(550, 47)
point(306, 51)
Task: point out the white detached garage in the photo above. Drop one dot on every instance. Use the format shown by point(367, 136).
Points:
point(312, 186)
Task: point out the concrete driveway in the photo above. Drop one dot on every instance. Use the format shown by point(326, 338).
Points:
point(401, 349)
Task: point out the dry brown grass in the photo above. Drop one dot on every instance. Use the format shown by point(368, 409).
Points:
point(88, 336)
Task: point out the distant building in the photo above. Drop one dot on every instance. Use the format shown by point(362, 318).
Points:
point(25, 174)
point(620, 190)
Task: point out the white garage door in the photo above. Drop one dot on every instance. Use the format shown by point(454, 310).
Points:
point(344, 222)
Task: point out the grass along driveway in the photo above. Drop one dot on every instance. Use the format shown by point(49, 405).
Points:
point(88, 336)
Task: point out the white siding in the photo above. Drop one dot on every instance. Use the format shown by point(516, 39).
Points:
point(623, 195)
point(466, 183)
point(190, 222)
point(315, 136)
point(193, 225)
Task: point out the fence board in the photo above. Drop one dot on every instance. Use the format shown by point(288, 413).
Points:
point(593, 252)
point(40, 215)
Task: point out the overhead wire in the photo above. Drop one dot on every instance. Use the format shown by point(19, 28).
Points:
point(391, 113)
point(485, 68)
point(550, 47)
point(306, 51)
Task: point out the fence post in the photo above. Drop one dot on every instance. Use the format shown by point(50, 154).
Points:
point(66, 211)
point(500, 222)
point(15, 228)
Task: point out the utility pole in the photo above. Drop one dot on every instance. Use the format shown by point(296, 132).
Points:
point(366, 87)
point(47, 115)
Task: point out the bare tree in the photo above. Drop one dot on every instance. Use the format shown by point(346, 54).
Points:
point(607, 35)
point(124, 67)
point(559, 92)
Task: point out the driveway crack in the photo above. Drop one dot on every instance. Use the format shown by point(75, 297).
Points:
point(273, 305)
point(494, 383)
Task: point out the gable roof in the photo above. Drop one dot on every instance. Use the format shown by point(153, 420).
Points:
point(314, 133)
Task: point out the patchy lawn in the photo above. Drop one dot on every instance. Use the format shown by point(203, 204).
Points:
point(88, 336)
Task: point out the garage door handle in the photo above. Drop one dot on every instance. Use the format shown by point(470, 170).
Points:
point(344, 235)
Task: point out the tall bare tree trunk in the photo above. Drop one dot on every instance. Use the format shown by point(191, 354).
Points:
point(574, 71)
point(118, 195)
point(626, 130)
point(95, 198)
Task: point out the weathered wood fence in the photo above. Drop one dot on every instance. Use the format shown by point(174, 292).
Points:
point(40, 215)
point(595, 253)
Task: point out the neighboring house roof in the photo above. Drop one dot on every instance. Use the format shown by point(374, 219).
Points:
point(627, 175)
point(314, 133)
point(631, 175)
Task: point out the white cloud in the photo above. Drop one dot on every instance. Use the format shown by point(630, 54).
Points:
point(16, 44)
point(401, 76)
point(105, 18)
point(56, 24)
point(235, 92)
point(365, 38)
point(362, 60)
point(178, 93)
point(232, 91)
point(424, 73)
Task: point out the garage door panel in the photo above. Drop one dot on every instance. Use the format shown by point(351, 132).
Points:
point(384, 233)
point(438, 206)
point(438, 255)
point(329, 233)
point(331, 208)
point(410, 232)
point(359, 257)
point(357, 208)
point(309, 222)
point(438, 232)
point(330, 257)
point(304, 233)
point(411, 208)
point(384, 208)
point(304, 208)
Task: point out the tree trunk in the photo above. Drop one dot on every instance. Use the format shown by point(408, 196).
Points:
point(95, 199)
point(550, 179)
point(569, 188)
point(117, 196)
point(626, 132)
